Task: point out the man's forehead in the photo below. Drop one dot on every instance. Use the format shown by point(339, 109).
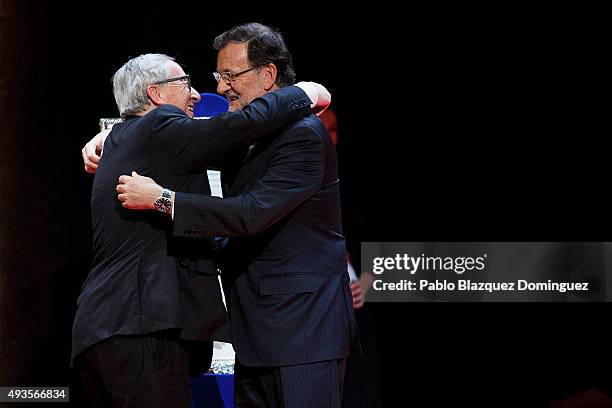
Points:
point(176, 69)
point(232, 56)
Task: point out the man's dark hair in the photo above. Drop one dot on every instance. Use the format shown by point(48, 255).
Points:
point(264, 45)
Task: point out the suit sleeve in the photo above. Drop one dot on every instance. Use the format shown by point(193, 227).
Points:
point(188, 145)
point(294, 175)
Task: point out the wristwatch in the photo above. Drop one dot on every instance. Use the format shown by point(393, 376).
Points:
point(164, 202)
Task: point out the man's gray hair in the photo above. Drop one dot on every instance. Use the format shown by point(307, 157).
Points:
point(130, 82)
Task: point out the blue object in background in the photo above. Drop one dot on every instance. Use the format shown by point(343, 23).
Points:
point(213, 391)
point(210, 105)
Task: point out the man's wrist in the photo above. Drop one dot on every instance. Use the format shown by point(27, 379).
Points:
point(165, 202)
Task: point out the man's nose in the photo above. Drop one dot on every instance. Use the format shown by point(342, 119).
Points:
point(222, 87)
point(195, 95)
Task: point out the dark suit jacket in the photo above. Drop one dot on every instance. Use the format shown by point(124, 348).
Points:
point(286, 265)
point(141, 279)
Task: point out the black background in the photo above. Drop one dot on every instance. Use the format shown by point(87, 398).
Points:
point(456, 124)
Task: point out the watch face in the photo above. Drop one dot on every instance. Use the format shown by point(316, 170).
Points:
point(163, 204)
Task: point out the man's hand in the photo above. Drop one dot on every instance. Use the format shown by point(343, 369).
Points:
point(318, 94)
point(137, 192)
point(93, 151)
point(359, 289)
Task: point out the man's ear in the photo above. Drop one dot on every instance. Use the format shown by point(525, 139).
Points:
point(270, 79)
point(154, 95)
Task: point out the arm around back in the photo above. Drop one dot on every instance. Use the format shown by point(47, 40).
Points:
point(189, 145)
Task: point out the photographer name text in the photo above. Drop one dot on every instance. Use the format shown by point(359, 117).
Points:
point(466, 285)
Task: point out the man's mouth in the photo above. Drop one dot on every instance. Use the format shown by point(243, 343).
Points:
point(232, 98)
point(190, 108)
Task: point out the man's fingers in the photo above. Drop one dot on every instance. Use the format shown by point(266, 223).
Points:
point(358, 301)
point(92, 152)
point(90, 161)
point(124, 179)
point(122, 198)
point(93, 158)
point(89, 153)
point(91, 166)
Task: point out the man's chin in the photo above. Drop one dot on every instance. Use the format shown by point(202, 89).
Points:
point(235, 105)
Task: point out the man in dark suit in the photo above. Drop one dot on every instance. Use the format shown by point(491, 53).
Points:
point(290, 303)
point(148, 293)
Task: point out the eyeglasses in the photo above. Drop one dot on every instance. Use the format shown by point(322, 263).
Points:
point(228, 77)
point(185, 78)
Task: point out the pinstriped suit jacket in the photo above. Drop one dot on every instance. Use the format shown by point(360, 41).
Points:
point(285, 262)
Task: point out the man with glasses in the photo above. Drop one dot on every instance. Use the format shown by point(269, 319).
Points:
point(149, 298)
point(290, 304)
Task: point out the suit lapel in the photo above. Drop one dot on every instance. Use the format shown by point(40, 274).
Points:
point(249, 165)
